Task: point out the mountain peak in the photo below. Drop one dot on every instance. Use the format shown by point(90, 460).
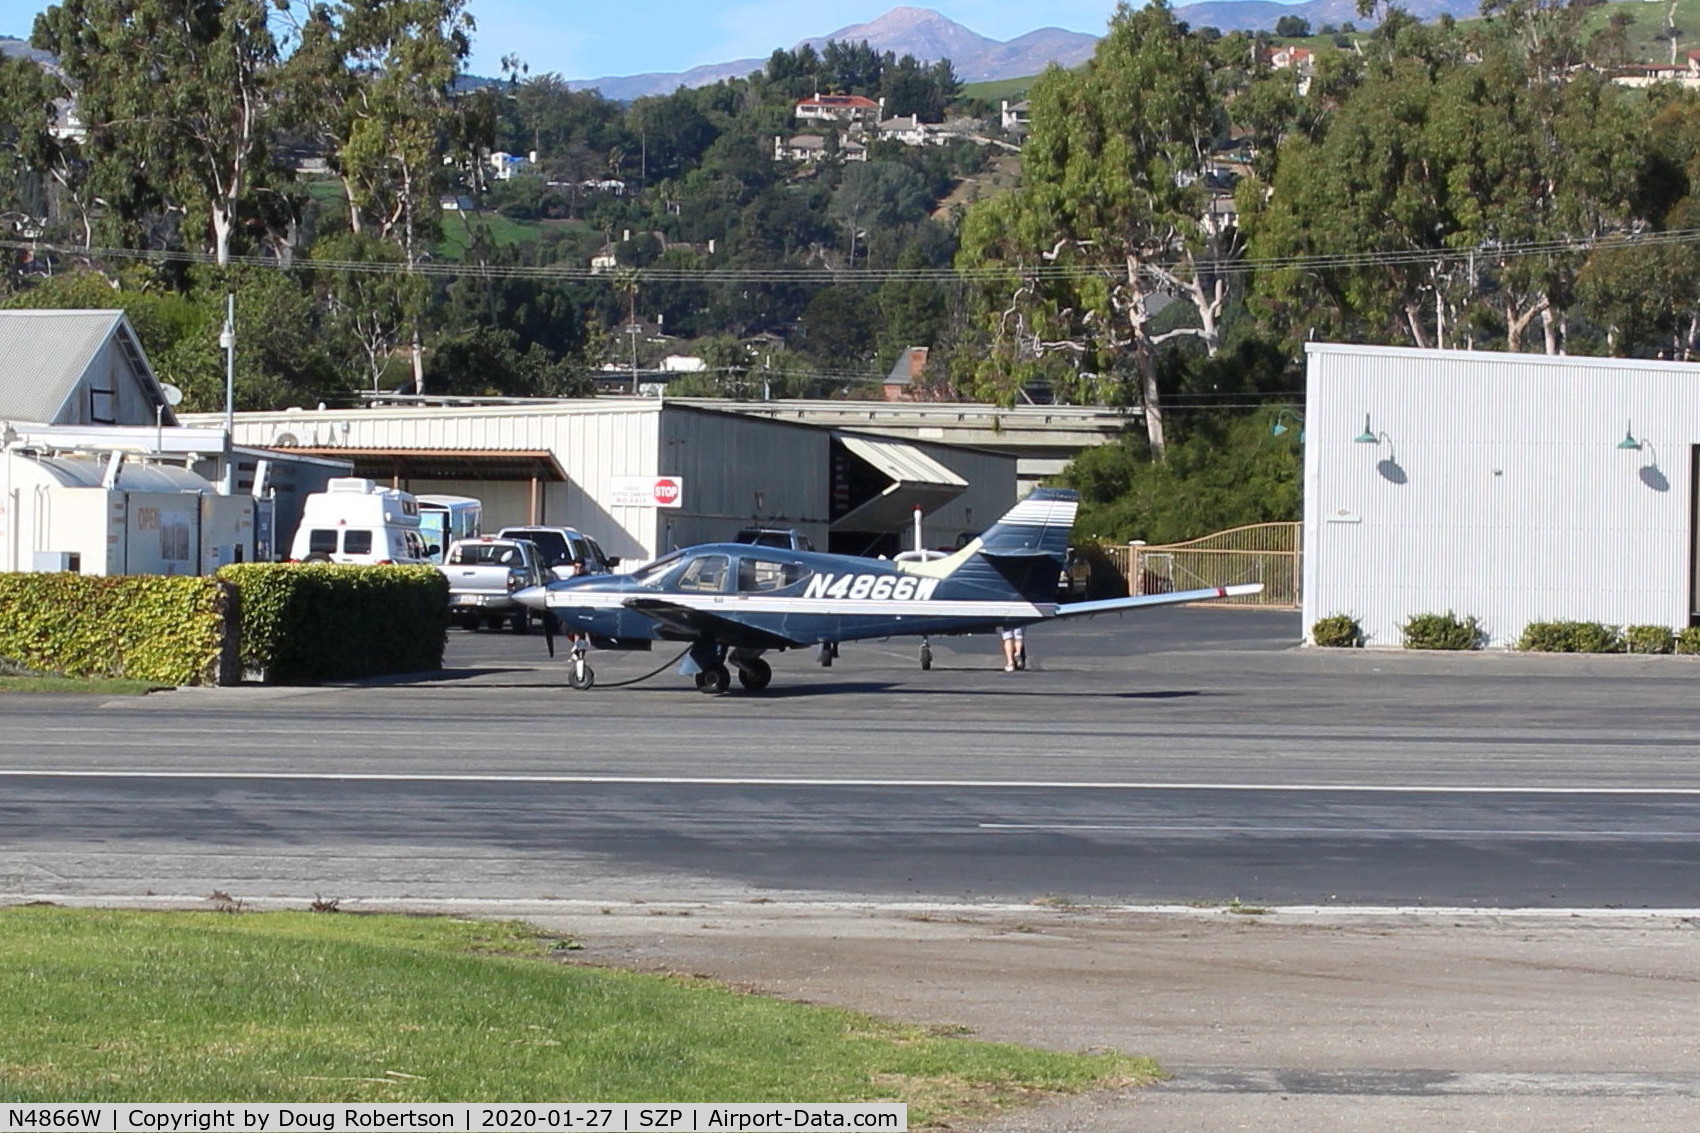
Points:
point(920, 32)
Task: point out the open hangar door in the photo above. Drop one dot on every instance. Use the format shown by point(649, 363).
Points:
point(877, 483)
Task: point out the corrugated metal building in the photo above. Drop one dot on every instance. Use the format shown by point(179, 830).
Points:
point(557, 462)
point(1512, 487)
point(76, 384)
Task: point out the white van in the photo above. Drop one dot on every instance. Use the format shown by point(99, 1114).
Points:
point(355, 521)
point(448, 519)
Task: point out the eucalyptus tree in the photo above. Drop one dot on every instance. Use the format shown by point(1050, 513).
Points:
point(41, 176)
point(1449, 197)
point(376, 81)
point(176, 98)
point(1113, 215)
point(1645, 293)
point(1534, 159)
point(1356, 209)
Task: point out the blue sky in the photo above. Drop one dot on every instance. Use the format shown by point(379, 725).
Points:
point(585, 39)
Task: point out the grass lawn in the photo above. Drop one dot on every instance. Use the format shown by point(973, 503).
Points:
point(457, 231)
point(77, 684)
point(99, 1005)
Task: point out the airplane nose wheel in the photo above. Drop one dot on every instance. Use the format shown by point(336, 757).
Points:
point(579, 674)
point(926, 655)
point(714, 680)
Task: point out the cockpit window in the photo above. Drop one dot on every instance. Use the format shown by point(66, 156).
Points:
point(706, 573)
point(758, 575)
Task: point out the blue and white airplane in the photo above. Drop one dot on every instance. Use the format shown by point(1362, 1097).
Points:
point(734, 602)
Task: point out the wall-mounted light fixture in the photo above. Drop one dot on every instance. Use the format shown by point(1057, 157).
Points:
point(1629, 441)
point(1283, 415)
point(1368, 436)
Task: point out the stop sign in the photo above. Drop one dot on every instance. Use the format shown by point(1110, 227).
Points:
point(666, 491)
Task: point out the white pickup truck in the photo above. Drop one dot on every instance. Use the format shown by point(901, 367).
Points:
point(483, 575)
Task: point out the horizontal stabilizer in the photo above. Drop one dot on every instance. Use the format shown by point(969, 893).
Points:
point(1117, 605)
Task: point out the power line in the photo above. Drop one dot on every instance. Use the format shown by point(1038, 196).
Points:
point(1040, 270)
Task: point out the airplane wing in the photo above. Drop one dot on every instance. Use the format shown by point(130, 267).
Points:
point(689, 622)
point(1117, 605)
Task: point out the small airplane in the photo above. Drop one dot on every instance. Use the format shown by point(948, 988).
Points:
point(733, 602)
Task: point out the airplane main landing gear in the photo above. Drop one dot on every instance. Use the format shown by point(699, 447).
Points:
point(926, 655)
point(754, 674)
point(714, 680)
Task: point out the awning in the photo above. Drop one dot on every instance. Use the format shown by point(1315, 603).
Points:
point(912, 479)
point(442, 464)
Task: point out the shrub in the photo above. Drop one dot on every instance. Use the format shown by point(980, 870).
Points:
point(304, 623)
point(1648, 639)
point(1442, 631)
point(140, 627)
point(1688, 640)
point(1338, 631)
point(1570, 637)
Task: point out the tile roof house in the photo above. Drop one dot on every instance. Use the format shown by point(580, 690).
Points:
point(838, 108)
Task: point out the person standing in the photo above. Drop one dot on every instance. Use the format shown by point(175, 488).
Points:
point(1014, 648)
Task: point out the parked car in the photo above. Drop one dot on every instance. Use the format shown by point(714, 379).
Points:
point(484, 574)
point(1076, 576)
point(787, 537)
point(567, 551)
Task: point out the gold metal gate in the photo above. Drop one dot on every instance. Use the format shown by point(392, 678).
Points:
point(1263, 552)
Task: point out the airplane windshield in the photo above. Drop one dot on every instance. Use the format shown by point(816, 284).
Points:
point(651, 574)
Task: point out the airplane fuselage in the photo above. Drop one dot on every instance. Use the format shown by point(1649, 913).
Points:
point(764, 597)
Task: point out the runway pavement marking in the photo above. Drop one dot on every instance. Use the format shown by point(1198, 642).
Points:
point(1352, 831)
point(802, 781)
point(765, 907)
point(1428, 1083)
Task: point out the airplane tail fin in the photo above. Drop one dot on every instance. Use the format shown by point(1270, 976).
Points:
point(1024, 551)
point(1038, 525)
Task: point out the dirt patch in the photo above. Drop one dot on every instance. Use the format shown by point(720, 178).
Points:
point(1373, 1022)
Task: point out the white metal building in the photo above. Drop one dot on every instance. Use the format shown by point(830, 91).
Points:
point(1512, 487)
point(574, 462)
point(111, 515)
point(95, 471)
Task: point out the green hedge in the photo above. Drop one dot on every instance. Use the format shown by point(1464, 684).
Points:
point(1570, 637)
point(318, 622)
point(141, 627)
point(1338, 631)
point(297, 624)
point(1442, 631)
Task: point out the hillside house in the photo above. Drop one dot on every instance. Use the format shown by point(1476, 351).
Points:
point(809, 149)
point(1013, 117)
point(845, 109)
point(503, 165)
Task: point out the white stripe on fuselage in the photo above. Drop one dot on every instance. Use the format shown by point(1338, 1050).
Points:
point(750, 604)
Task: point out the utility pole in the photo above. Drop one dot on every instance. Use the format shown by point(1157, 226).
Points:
point(633, 330)
point(227, 339)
